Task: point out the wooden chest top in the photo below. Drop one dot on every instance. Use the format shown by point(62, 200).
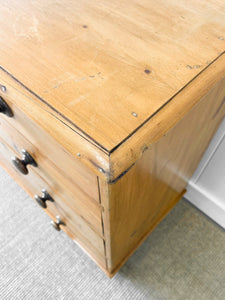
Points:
point(105, 68)
point(107, 107)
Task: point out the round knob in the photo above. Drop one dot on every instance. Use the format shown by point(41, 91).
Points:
point(41, 200)
point(4, 108)
point(56, 225)
point(21, 164)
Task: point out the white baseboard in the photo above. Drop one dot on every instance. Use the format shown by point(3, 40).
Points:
point(207, 203)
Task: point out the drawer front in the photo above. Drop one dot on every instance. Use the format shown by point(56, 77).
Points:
point(75, 226)
point(69, 189)
point(71, 168)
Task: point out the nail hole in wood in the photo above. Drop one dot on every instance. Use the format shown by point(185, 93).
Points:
point(147, 71)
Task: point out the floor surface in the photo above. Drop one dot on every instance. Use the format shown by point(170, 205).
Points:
point(184, 258)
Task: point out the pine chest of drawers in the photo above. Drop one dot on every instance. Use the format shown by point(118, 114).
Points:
point(106, 109)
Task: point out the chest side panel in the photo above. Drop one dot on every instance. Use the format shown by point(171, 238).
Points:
point(139, 200)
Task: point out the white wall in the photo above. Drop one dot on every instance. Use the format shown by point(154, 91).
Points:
point(206, 188)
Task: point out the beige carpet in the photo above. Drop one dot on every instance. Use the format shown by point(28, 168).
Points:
point(184, 258)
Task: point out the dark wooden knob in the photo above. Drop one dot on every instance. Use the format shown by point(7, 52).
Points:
point(21, 164)
point(41, 200)
point(56, 225)
point(4, 108)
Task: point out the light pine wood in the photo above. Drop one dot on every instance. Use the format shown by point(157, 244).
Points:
point(130, 151)
point(68, 188)
point(37, 122)
point(117, 101)
point(75, 226)
point(44, 145)
point(136, 203)
point(97, 62)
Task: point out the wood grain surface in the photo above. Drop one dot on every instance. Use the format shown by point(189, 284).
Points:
point(139, 200)
point(117, 101)
point(78, 195)
point(75, 226)
point(37, 122)
point(127, 154)
point(108, 66)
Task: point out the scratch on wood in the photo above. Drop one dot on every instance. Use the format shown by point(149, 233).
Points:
point(144, 148)
point(135, 231)
point(197, 66)
point(193, 67)
point(71, 77)
point(27, 28)
point(82, 97)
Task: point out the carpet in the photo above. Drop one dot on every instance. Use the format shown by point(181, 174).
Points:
point(184, 258)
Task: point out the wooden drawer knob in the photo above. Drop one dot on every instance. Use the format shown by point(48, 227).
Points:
point(21, 164)
point(41, 200)
point(4, 108)
point(56, 225)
